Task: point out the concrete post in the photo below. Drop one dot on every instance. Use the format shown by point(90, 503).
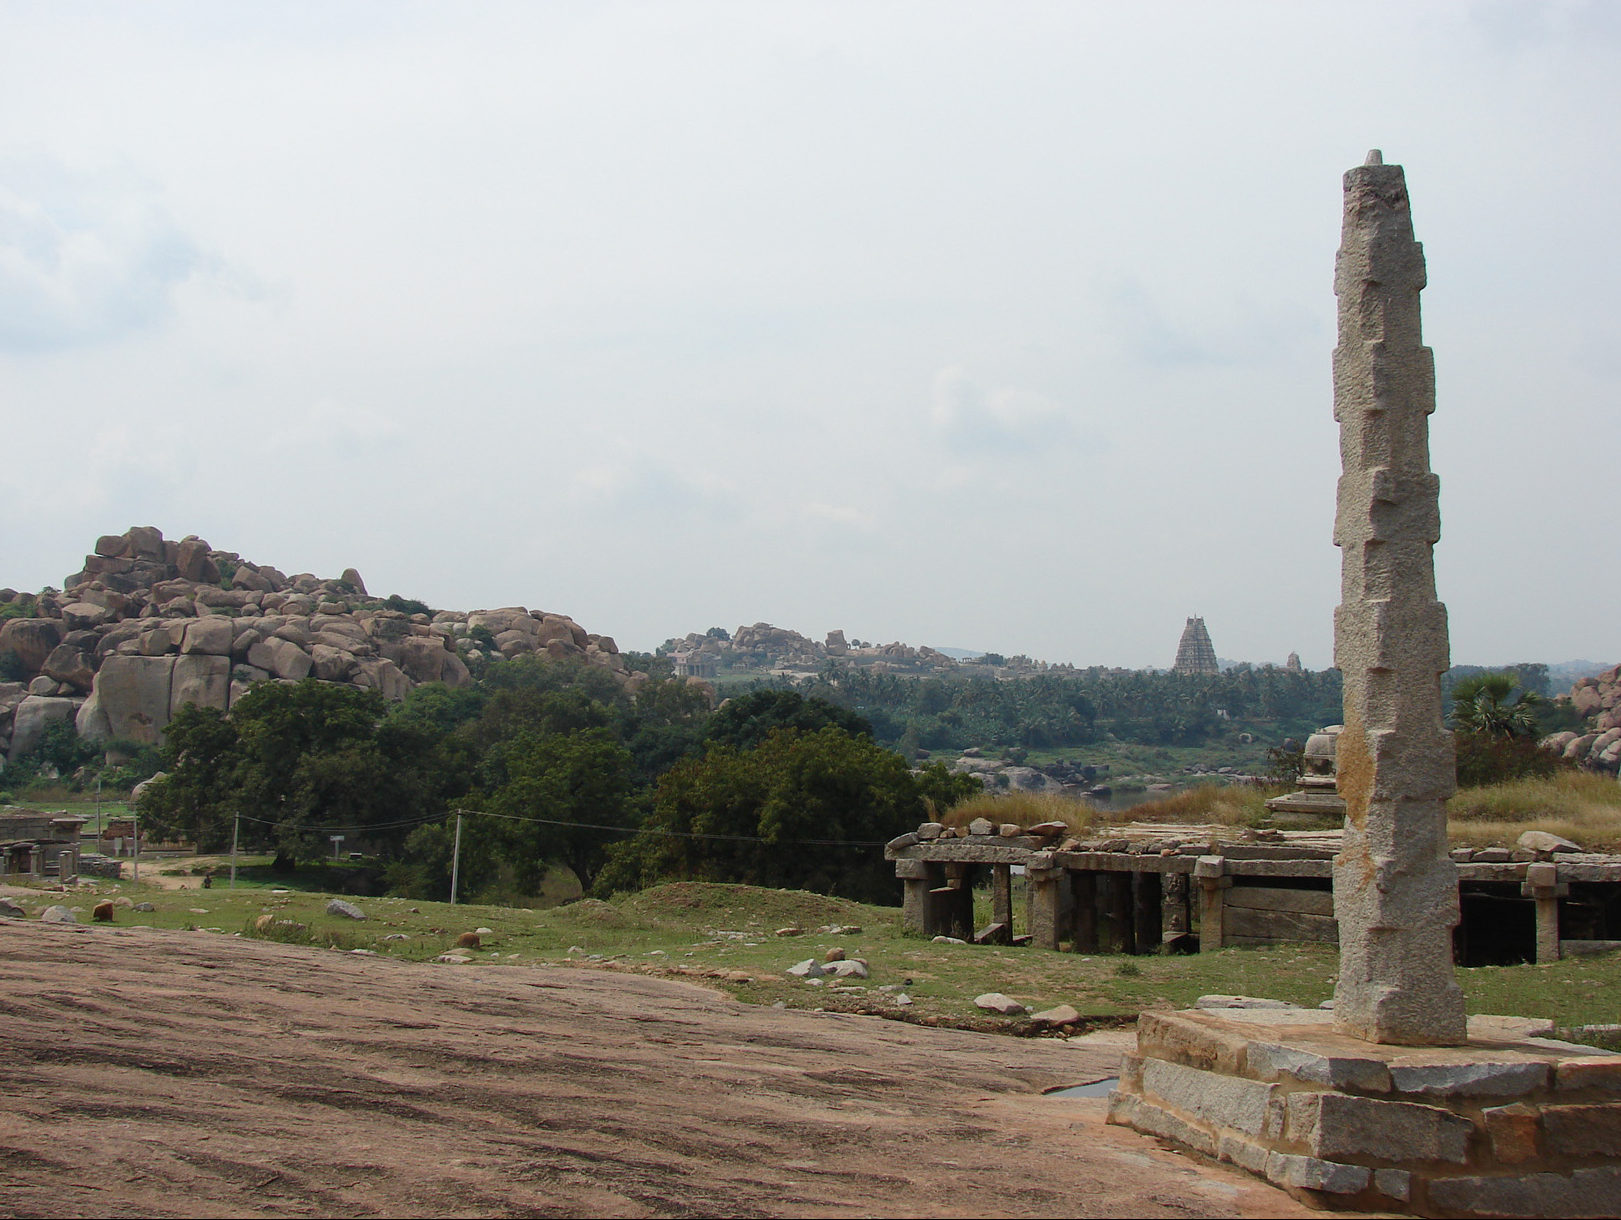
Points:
point(1176, 919)
point(1209, 872)
point(1042, 906)
point(914, 878)
point(1002, 895)
point(1542, 884)
point(1395, 888)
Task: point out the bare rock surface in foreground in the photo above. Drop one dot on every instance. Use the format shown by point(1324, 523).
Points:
point(192, 1074)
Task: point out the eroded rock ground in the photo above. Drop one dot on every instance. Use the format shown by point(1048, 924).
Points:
point(192, 1074)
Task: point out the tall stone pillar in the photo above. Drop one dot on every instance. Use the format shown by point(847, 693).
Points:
point(1395, 888)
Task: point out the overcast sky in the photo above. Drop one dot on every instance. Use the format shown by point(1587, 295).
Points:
point(978, 325)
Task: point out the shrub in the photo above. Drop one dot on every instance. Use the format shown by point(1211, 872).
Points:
point(405, 605)
point(1486, 759)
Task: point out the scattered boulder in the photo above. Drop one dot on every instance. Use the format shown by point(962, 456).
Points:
point(981, 826)
point(453, 959)
point(346, 910)
point(1541, 842)
point(995, 1001)
point(102, 912)
point(810, 968)
point(833, 955)
point(850, 968)
point(144, 906)
point(11, 910)
point(1052, 1018)
point(468, 940)
point(57, 914)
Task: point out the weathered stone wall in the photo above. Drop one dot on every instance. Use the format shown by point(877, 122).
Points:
point(150, 625)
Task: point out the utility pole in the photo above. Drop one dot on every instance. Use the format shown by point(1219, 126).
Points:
point(236, 830)
point(456, 859)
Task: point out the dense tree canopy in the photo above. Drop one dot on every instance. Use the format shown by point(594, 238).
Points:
point(294, 761)
point(800, 810)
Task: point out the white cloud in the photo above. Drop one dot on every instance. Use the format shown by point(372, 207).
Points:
point(85, 258)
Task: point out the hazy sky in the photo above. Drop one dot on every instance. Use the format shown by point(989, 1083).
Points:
point(980, 325)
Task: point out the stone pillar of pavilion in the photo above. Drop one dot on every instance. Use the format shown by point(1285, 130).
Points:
point(1395, 888)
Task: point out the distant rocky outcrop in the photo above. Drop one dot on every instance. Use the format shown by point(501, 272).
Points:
point(1598, 746)
point(150, 625)
point(781, 650)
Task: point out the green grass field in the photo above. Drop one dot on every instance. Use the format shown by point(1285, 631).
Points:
point(727, 937)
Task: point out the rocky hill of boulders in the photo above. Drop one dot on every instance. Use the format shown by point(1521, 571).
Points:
point(1598, 745)
point(765, 648)
point(151, 624)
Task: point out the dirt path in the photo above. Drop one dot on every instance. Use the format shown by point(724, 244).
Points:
point(192, 1074)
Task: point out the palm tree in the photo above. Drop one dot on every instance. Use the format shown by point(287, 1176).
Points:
point(1481, 704)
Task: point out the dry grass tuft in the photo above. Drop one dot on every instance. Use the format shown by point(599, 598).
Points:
point(1578, 805)
point(1023, 809)
point(1221, 804)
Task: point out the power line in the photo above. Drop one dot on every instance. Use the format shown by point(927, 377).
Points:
point(628, 830)
point(685, 834)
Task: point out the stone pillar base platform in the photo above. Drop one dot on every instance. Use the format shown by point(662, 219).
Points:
point(1511, 1124)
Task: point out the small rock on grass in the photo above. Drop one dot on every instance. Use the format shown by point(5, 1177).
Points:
point(346, 909)
point(454, 959)
point(1051, 1018)
point(102, 912)
point(903, 1000)
point(1541, 841)
point(948, 940)
point(58, 914)
point(790, 931)
point(833, 955)
point(144, 906)
point(995, 1001)
point(810, 968)
point(854, 968)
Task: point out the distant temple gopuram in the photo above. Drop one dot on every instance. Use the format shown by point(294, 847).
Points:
point(1195, 654)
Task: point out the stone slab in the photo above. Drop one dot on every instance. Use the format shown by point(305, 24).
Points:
point(1513, 1123)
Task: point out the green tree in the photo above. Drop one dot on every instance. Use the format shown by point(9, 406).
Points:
point(562, 790)
point(801, 810)
point(748, 720)
point(1486, 704)
point(297, 760)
